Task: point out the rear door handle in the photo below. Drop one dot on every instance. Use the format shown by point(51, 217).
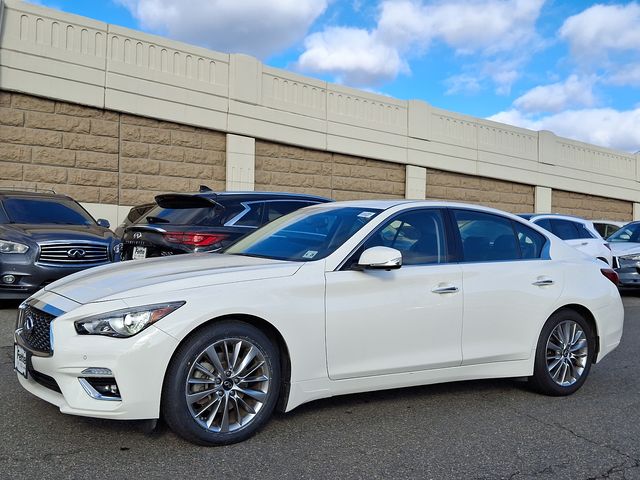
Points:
point(543, 282)
point(584, 244)
point(442, 289)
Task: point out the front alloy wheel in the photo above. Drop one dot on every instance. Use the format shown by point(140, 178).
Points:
point(222, 384)
point(565, 352)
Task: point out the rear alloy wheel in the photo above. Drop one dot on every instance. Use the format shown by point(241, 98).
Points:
point(564, 354)
point(222, 385)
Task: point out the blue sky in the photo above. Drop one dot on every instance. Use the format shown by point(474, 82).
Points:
point(570, 66)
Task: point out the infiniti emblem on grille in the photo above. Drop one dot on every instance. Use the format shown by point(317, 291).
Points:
point(76, 253)
point(137, 235)
point(28, 323)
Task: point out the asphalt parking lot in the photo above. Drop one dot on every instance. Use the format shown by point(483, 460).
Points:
point(482, 429)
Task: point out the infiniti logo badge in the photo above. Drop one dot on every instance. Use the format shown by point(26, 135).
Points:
point(28, 323)
point(76, 253)
point(137, 235)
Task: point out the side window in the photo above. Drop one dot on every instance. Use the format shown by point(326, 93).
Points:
point(565, 229)
point(277, 209)
point(419, 235)
point(544, 223)
point(531, 242)
point(3, 216)
point(486, 237)
point(253, 218)
point(583, 231)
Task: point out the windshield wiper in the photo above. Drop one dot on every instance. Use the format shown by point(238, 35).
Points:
point(151, 219)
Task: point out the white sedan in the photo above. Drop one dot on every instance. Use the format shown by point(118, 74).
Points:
point(332, 299)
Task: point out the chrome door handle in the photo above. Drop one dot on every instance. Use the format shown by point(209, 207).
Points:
point(584, 244)
point(543, 282)
point(445, 289)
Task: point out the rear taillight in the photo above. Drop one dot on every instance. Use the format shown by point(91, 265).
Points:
point(194, 239)
point(611, 275)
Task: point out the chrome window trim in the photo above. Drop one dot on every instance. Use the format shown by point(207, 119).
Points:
point(247, 208)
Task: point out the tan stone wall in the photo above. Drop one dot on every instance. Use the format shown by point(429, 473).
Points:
point(590, 206)
point(100, 156)
point(341, 177)
point(508, 196)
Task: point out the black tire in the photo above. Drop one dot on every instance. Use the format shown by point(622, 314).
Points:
point(542, 380)
point(176, 410)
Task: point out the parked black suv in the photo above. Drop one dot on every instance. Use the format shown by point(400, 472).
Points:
point(205, 221)
point(44, 237)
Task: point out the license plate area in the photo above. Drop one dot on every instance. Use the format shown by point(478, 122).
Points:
point(21, 360)
point(139, 253)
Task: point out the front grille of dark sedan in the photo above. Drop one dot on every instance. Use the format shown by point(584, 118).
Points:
point(35, 328)
point(73, 254)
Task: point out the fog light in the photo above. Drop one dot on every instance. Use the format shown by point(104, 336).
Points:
point(101, 388)
point(8, 279)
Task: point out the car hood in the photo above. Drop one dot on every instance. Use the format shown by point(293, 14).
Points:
point(144, 277)
point(624, 248)
point(47, 233)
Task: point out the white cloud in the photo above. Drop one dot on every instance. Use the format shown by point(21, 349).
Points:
point(257, 27)
point(628, 75)
point(602, 126)
point(558, 96)
point(494, 30)
point(603, 28)
point(353, 54)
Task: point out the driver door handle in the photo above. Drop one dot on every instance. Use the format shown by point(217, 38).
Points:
point(442, 289)
point(543, 282)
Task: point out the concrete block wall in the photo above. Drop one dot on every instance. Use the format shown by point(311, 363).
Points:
point(504, 195)
point(591, 207)
point(341, 177)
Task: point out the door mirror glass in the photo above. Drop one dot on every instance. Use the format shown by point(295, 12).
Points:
point(380, 258)
point(103, 223)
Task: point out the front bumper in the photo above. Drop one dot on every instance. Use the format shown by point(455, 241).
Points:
point(628, 273)
point(138, 365)
point(30, 276)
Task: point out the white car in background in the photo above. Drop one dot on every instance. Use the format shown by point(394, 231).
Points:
point(577, 232)
point(625, 245)
point(332, 299)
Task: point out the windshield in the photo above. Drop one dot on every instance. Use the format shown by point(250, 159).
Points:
point(45, 211)
point(628, 233)
point(304, 235)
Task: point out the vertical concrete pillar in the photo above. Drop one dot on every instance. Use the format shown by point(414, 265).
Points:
point(636, 211)
point(241, 163)
point(542, 202)
point(415, 183)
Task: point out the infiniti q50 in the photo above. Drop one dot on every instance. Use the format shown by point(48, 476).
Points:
point(331, 299)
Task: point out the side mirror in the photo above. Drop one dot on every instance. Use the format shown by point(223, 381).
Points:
point(103, 223)
point(380, 258)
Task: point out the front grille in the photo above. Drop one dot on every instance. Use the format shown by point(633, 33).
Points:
point(35, 328)
point(44, 380)
point(73, 254)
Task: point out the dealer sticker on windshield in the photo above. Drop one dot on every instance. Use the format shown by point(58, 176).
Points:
point(310, 254)
point(366, 214)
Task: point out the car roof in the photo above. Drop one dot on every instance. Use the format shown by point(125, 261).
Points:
point(530, 216)
point(248, 196)
point(25, 193)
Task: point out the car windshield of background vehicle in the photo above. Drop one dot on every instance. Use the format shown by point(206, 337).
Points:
point(628, 233)
point(42, 211)
point(305, 235)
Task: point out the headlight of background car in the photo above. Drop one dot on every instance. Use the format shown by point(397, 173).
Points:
point(126, 322)
point(117, 248)
point(12, 247)
point(632, 258)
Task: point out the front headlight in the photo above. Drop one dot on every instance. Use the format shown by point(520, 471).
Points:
point(12, 247)
point(126, 322)
point(117, 248)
